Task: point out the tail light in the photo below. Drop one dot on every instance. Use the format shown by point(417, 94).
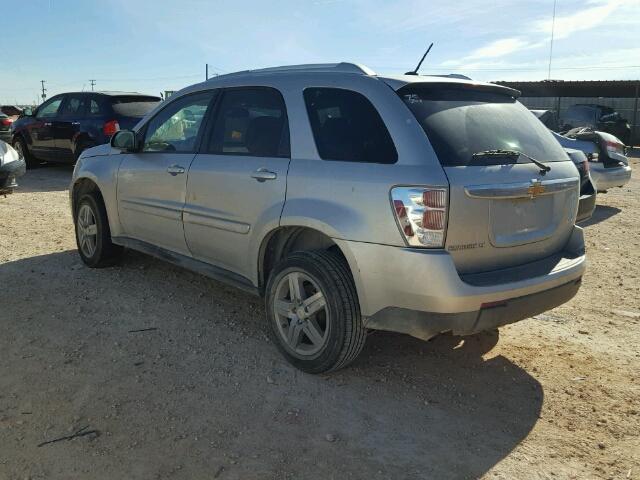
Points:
point(614, 147)
point(6, 122)
point(421, 214)
point(110, 127)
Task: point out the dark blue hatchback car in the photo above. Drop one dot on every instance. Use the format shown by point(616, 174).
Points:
point(65, 125)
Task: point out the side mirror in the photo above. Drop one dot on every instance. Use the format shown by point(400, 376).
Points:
point(124, 140)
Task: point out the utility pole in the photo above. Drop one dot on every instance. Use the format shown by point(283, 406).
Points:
point(206, 71)
point(93, 82)
point(553, 26)
point(44, 95)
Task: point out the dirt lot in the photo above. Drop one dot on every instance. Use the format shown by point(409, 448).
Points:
point(205, 395)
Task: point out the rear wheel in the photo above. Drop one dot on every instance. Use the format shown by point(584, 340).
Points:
point(20, 146)
point(93, 236)
point(313, 311)
point(81, 147)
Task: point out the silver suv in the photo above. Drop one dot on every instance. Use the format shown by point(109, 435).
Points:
point(350, 201)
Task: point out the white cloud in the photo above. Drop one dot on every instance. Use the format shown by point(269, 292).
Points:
point(582, 19)
point(498, 48)
point(596, 13)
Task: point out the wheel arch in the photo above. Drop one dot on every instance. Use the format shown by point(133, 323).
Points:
point(284, 240)
point(79, 139)
point(82, 186)
point(22, 135)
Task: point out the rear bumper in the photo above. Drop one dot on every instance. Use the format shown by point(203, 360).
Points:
point(420, 292)
point(606, 178)
point(425, 325)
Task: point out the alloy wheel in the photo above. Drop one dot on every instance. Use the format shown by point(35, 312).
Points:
point(87, 231)
point(301, 314)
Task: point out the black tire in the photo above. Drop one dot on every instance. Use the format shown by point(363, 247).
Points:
point(21, 147)
point(81, 147)
point(106, 253)
point(346, 334)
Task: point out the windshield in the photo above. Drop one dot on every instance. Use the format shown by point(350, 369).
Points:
point(133, 105)
point(460, 122)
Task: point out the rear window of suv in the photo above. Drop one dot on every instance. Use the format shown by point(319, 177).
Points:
point(460, 121)
point(347, 127)
point(133, 105)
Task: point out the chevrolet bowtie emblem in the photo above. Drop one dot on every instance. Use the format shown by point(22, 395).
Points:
point(535, 189)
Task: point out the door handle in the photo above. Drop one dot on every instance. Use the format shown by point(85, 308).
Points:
point(75, 123)
point(47, 124)
point(175, 170)
point(262, 174)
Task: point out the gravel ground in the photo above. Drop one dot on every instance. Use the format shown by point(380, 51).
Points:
point(203, 394)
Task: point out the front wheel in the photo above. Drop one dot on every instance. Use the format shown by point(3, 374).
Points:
point(313, 311)
point(93, 236)
point(20, 146)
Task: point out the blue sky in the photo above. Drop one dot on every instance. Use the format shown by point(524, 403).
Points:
point(156, 45)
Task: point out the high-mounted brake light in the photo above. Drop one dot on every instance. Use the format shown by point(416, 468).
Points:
point(110, 127)
point(421, 213)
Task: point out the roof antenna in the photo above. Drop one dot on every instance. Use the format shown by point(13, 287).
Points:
point(415, 72)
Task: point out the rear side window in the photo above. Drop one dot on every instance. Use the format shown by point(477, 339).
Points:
point(73, 106)
point(347, 127)
point(460, 122)
point(133, 105)
point(94, 107)
point(251, 121)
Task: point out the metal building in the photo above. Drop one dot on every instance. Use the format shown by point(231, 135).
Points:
point(558, 95)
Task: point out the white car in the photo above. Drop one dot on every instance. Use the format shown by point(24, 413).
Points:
point(11, 167)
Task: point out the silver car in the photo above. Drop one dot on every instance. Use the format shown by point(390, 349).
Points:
point(349, 201)
point(608, 164)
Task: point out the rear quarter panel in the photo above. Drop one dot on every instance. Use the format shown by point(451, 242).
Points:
point(348, 200)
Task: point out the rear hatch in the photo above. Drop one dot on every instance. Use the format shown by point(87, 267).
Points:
point(129, 109)
point(504, 210)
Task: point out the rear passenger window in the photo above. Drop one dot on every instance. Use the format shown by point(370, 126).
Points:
point(251, 121)
point(73, 106)
point(347, 127)
point(94, 107)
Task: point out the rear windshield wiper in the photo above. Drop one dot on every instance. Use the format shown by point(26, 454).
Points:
point(514, 154)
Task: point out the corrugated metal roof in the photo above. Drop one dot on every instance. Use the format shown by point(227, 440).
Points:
point(577, 88)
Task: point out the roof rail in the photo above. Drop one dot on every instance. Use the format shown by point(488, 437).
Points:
point(452, 75)
point(342, 67)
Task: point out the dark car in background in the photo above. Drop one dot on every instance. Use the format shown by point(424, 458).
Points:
point(5, 127)
point(596, 117)
point(11, 111)
point(64, 126)
point(548, 118)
